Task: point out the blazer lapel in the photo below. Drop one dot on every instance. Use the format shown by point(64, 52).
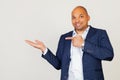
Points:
point(68, 45)
point(91, 32)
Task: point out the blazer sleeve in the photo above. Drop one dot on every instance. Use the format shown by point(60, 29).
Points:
point(55, 60)
point(103, 50)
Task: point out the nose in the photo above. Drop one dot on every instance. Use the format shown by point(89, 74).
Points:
point(77, 20)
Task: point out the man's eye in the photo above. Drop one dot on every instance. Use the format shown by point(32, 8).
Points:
point(81, 16)
point(73, 17)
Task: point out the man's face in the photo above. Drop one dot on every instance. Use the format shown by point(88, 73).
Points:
point(80, 19)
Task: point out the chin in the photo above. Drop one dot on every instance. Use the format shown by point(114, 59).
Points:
point(78, 28)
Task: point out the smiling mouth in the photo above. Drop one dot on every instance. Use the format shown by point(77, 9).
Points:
point(77, 24)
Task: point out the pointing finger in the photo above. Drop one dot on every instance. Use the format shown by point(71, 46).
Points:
point(68, 38)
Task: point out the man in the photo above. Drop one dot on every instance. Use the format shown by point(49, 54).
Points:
point(80, 51)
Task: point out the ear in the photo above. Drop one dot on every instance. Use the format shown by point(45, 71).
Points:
point(88, 17)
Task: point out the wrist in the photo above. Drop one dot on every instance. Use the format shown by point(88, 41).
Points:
point(43, 49)
point(46, 50)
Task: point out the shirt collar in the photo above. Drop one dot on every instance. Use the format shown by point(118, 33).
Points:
point(86, 31)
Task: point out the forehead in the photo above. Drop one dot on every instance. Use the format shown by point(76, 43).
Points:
point(79, 11)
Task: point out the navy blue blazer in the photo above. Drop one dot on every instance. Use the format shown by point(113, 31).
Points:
point(97, 48)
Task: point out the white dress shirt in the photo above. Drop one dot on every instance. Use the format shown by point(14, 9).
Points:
point(76, 66)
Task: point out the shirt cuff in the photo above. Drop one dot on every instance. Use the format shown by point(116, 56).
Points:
point(45, 51)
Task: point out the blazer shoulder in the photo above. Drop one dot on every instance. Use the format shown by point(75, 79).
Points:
point(67, 34)
point(98, 30)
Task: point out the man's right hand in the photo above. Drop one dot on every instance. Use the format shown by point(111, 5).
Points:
point(37, 44)
point(77, 40)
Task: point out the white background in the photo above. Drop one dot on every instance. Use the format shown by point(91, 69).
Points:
point(46, 20)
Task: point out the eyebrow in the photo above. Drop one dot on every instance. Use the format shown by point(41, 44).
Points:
point(79, 15)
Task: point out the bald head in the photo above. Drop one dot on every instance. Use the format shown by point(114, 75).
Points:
point(80, 8)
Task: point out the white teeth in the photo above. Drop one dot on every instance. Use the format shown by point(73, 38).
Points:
point(77, 24)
